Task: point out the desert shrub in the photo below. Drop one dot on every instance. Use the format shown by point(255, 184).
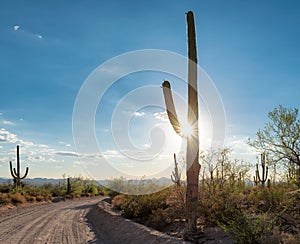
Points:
point(40, 198)
point(40, 193)
point(263, 199)
point(30, 198)
point(5, 198)
point(213, 206)
point(58, 190)
point(158, 219)
point(244, 229)
point(176, 202)
point(108, 192)
point(117, 202)
point(140, 207)
point(149, 209)
point(17, 198)
point(78, 191)
point(92, 188)
point(6, 188)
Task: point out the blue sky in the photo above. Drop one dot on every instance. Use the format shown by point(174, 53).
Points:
point(250, 49)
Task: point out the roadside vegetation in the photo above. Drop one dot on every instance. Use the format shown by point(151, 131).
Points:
point(255, 202)
point(76, 188)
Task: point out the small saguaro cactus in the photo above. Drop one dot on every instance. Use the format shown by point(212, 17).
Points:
point(15, 173)
point(175, 177)
point(68, 186)
point(192, 153)
point(264, 175)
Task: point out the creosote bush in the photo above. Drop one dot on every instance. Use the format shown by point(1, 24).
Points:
point(146, 209)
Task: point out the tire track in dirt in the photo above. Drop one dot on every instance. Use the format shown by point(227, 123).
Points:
point(62, 222)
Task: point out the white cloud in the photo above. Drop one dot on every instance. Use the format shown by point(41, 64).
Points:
point(7, 122)
point(36, 158)
point(112, 154)
point(240, 149)
point(92, 155)
point(1, 114)
point(74, 154)
point(6, 136)
point(138, 114)
point(66, 153)
point(163, 116)
point(64, 143)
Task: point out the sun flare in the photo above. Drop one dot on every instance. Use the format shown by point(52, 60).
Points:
point(187, 129)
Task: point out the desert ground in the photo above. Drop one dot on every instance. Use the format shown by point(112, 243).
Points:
point(73, 221)
point(62, 222)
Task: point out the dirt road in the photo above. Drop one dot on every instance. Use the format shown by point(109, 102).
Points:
point(62, 222)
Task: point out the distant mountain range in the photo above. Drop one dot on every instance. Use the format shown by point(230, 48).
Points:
point(34, 181)
point(41, 181)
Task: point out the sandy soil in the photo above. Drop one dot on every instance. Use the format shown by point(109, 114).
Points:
point(73, 222)
point(114, 229)
point(62, 222)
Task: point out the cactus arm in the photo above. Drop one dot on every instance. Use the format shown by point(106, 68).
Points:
point(16, 173)
point(26, 173)
point(171, 111)
point(172, 179)
point(257, 173)
point(12, 170)
point(18, 161)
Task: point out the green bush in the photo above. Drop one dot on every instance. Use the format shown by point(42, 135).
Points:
point(244, 229)
point(142, 206)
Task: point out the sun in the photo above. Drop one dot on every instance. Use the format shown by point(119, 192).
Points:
point(187, 129)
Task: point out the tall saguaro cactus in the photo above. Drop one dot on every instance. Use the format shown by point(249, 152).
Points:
point(192, 153)
point(264, 173)
point(16, 173)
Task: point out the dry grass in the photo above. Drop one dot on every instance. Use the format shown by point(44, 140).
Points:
point(5, 198)
point(18, 198)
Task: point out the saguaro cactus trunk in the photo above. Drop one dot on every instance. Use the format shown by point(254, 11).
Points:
point(16, 173)
point(192, 153)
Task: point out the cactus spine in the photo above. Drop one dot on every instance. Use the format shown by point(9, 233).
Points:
point(15, 173)
point(264, 175)
point(192, 154)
